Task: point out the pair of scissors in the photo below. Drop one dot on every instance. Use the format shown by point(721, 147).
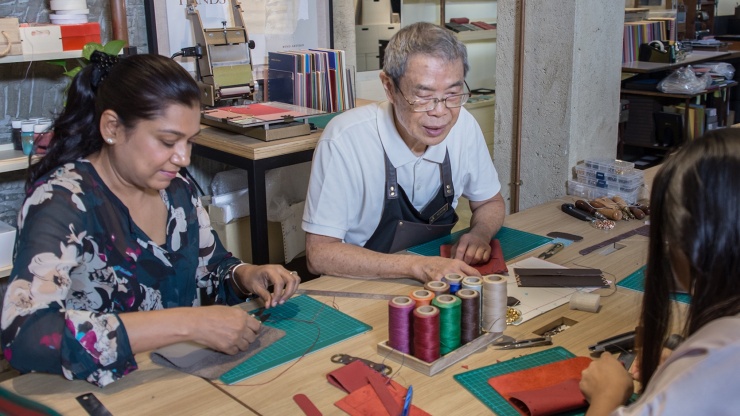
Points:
point(551, 251)
point(525, 343)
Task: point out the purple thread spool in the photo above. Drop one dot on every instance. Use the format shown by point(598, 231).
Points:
point(400, 318)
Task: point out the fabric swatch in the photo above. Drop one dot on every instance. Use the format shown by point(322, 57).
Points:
point(198, 360)
point(546, 389)
point(495, 264)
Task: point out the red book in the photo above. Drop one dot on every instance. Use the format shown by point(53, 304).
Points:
point(460, 20)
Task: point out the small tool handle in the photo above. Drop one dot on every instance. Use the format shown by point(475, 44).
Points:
point(576, 213)
point(612, 213)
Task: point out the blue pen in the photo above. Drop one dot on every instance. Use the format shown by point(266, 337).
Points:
point(407, 403)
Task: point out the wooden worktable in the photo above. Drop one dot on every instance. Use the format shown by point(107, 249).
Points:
point(154, 390)
point(151, 389)
point(270, 393)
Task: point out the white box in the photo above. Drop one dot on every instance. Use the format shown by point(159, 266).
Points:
point(39, 39)
point(7, 240)
point(376, 12)
point(236, 235)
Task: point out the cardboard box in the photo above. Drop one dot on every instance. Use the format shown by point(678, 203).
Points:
point(9, 26)
point(74, 37)
point(7, 240)
point(236, 235)
point(37, 39)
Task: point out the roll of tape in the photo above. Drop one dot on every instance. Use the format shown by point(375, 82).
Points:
point(588, 302)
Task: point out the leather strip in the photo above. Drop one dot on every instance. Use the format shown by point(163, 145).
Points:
point(306, 405)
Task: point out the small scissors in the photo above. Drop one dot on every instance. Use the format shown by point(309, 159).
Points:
point(260, 315)
point(525, 343)
point(551, 251)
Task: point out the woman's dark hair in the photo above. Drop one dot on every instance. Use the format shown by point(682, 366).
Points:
point(695, 212)
point(139, 87)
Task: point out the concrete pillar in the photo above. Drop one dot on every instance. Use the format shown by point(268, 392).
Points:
point(570, 100)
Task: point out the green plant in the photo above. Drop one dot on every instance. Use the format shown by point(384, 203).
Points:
point(113, 47)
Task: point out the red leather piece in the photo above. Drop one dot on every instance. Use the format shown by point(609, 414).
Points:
point(495, 264)
point(528, 387)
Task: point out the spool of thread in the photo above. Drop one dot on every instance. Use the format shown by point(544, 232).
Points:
point(469, 315)
point(438, 288)
point(426, 333)
point(493, 310)
point(449, 322)
point(400, 319)
point(455, 282)
point(588, 302)
point(422, 297)
point(472, 282)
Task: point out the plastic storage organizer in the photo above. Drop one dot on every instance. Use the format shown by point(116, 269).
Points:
point(607, 177)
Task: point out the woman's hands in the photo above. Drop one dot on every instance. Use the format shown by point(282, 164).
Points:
point(224, 328)
point(258, 279)
point(605, 384)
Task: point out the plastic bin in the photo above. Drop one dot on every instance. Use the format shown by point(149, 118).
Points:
point(625, 182)
point(609, 165)
point(587, 191)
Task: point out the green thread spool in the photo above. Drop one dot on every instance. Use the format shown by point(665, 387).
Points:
point(450, 315)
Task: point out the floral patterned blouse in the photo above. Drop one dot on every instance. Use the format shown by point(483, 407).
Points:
point(80, 261)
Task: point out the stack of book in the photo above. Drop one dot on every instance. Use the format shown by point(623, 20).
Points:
point(314, 78)
point(463, 24)
point(645, 31)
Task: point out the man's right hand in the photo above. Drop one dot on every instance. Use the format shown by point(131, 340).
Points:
point(223, 328)
point(428, 269)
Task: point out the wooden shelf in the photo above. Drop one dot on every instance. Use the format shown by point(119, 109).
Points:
point(474, 35)
point(5, 271)
point(11, 160)
point(680, 96)
point(41, 57)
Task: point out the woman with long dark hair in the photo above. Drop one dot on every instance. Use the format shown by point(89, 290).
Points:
point(695, 247)
point(114, 246)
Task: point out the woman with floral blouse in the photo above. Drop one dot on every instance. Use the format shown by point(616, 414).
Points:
point(109, 228)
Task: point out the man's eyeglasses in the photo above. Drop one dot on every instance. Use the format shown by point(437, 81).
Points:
point(429, 104)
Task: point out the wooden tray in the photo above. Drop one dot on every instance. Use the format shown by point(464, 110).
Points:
point(443, 362)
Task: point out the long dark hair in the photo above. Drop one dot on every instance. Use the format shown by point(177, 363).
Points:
point(139, 87)
point(696, 210)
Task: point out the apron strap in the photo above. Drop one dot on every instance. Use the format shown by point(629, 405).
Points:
point(391, 180)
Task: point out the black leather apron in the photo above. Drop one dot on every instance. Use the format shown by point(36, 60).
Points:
point(401, 226)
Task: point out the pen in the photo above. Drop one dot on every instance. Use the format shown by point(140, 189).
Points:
point(407, 403)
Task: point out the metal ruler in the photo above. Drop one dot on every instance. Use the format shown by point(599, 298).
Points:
point(643, 230)
point(317, 292)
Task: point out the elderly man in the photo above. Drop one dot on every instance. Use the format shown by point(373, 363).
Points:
point(388, 176)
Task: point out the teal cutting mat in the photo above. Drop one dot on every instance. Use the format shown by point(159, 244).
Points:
point(514, 243)
point(636, 281)
point(302, 318)
point(476, 381)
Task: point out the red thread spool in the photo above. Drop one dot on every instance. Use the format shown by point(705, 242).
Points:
point(422, 297)
point(426, 333)
point(400, 323)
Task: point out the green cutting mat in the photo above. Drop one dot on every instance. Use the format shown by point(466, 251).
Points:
point(302, 318)
point(636, 281)
point(514, 243)
point(476, 381)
